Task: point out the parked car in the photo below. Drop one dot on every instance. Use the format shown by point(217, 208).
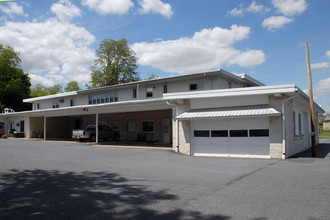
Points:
point(105, 133)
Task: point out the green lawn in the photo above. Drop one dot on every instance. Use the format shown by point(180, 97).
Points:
point(324, 134)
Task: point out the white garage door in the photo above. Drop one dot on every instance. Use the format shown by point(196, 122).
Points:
point(231, 137)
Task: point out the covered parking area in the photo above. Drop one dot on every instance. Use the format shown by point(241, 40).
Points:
point(145, 121)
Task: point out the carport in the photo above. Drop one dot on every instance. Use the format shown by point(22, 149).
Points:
point(149, 120)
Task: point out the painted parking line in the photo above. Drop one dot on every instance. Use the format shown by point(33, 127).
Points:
point(133, 147)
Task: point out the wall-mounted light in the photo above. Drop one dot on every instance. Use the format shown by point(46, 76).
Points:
point(85, 109)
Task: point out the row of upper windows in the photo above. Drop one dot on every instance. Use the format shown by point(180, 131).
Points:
point(103, 98)
point(113, 97)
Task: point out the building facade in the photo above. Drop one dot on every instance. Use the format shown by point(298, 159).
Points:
point(204, 114)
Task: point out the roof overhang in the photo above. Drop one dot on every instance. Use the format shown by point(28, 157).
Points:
point(230, 112)
point(58, 95)
point(257, 90)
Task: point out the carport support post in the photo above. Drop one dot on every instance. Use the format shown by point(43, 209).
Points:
point(45, 127)
point(97, 128)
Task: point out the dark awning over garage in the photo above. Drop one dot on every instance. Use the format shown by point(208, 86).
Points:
point(241, 111)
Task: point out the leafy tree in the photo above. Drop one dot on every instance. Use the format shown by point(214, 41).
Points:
point(39, 90)
point(115, 64)
point(55, 89)
point(72, 86)
point(14, 83)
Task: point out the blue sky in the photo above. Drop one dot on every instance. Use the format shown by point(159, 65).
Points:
point(265, 39)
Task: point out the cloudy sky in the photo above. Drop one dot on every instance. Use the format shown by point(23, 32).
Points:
point(263, 38)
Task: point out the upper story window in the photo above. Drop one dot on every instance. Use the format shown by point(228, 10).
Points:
point(294, 122)
point(36, 106)
point(71, 102)
point(55, 104)
point(229, 85)
point(165, 89)
point(149, 92)
point(195, 86)
point(134, 94)
point(103, 98)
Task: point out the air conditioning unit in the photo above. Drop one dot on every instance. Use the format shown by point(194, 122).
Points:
point(62, 100)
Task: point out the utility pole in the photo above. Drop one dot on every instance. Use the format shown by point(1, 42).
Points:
point(311, 102)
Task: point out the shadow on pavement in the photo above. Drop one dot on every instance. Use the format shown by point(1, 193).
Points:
point(40, 194)
point(322, 151)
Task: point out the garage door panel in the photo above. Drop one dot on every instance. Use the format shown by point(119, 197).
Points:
point(238, 142)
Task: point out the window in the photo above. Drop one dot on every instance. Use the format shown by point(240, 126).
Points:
point(103, 98)
point(107, 97)
point(201, 133)
point(131, 126)
point(148, 126)
point(299, 124)
point(94, 99)
point(98, 99)
point(116, 96)
point(22, 126)
point(165, 89)
point(219, 133)
point(238, 133)
point(195, 86)
point(149, 92)
point(115, 125)
point(134, 94)
point(229, 85)
point(259, 133)
point(71, 102)
point(55, 104)
point(90, 100)
point(294, 122)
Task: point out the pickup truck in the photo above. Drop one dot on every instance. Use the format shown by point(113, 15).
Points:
point(105, 132)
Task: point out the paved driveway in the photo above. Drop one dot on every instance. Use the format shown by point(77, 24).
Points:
point(74, 180)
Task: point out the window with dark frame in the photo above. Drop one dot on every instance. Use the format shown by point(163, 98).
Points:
point(148, 126)
point(165, 89)
point(201, 133)
point(219, 133)
point(71, 102)
point(294, 122)
point(134, 93)
point(149, 92)
point(299, 124)
point(195, 86)
point(238, 133)
point(259, 132)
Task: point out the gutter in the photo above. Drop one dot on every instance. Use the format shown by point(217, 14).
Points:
point(176, 126)
point(283, 124)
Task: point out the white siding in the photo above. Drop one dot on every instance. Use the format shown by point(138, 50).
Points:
point(228, 102)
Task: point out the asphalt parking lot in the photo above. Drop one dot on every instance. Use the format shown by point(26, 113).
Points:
point(58, 180)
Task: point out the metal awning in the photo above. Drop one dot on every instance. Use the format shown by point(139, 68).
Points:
point(230, 112)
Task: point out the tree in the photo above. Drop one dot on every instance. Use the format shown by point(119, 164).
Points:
point(72, 86)
point(152, 76)
point(39, 90)
point(14, 83)
point(115, 64)
point(54, 89)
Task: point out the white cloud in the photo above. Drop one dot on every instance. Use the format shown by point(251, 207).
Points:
point(276, 22)
point(236, 12)
point(65, 10)
point(156, 7)
point(109, 7)
point(51, 51)
point(208, 49)
point(290, 7)
point(323, 87)
point(255, 8)
point(328, 53)
point(12, 9)
point(320, 65)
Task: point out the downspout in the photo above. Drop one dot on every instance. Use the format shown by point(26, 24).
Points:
point(283, 125)
point(176, 126)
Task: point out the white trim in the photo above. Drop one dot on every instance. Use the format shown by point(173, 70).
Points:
point(58, 95)
point(257, 90)
point(233, 155)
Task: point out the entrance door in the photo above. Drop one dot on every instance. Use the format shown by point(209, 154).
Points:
point(166, 130)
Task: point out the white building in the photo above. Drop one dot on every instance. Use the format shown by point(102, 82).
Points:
point(206, 114)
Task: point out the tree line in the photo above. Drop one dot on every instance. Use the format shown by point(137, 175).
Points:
point(115, 63)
